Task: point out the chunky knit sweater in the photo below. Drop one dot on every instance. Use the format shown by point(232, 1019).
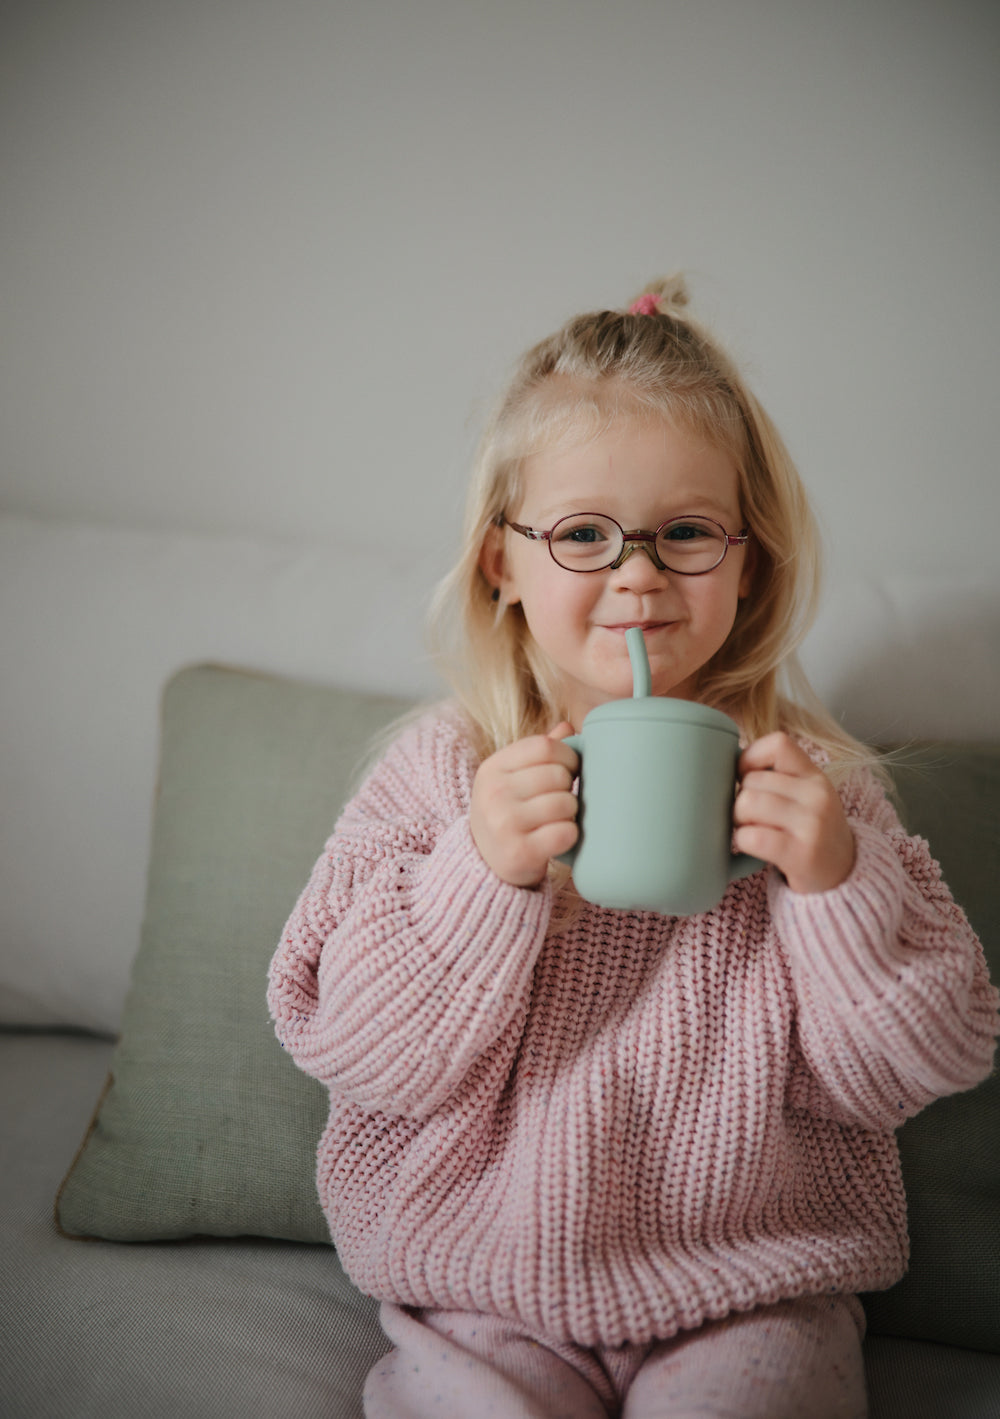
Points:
point(611, 1124)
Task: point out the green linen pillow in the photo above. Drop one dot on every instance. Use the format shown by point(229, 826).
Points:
point(950, 794)
point(205, 1126)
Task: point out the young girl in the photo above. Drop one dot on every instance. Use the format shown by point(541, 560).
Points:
point(600, 1162)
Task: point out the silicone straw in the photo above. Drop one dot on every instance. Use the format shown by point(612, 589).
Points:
point(642, 680)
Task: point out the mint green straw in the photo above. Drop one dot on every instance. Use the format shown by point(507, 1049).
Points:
point(642, 680)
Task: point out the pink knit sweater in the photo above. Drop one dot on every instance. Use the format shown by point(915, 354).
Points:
point(634, 1123)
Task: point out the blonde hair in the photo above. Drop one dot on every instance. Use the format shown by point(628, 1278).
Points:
point(600, 368)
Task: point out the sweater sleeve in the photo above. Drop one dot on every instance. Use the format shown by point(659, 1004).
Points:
point(895, 1005)
point(405, 956)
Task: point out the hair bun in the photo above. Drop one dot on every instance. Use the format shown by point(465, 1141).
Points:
point(659, 297)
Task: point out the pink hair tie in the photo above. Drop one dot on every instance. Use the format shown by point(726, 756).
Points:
point(645, 305)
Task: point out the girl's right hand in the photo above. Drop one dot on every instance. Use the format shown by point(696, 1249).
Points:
point(523, 809)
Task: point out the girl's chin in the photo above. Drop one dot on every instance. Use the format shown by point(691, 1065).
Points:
point(614, 682)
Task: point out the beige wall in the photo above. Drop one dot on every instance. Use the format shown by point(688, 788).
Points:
point(262, 264)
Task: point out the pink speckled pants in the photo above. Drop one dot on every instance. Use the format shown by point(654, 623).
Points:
point(796, 1360)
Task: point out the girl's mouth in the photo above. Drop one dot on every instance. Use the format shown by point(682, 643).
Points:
point(644, 626)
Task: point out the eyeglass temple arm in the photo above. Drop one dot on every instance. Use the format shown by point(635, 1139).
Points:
point(524, 531)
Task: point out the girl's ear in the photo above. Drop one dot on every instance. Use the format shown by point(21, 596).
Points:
point(493, 565)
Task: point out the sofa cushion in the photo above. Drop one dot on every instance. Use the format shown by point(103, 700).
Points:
point(205, 1125)
point(950, 795)
point(207, 1128)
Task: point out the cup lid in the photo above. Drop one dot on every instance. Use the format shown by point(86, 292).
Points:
point(665, 711)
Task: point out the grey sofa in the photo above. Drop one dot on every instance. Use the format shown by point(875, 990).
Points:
point(162, 1252)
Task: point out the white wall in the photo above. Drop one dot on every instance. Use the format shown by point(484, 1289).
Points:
point(262, 262)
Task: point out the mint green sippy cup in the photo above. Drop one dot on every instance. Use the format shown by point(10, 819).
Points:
point(657, 782)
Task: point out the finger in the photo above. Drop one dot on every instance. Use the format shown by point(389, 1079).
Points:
point(534, 813)
point(812, 865)
point(810, 791)
point(543, 748)
point(769, 844)
point(524, 861)
point(538, 779)
point(535, 749)
point(777, 752)
point(563, 755)
point(554, 838)
point(763, 809)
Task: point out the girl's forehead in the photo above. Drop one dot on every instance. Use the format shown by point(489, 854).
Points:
point(564, 412)
point(651, 461)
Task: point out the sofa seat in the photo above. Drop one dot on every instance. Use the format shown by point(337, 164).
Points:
point(214, 1328)
point(229, 1328)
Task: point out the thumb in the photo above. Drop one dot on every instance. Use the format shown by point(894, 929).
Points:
point(561, 730)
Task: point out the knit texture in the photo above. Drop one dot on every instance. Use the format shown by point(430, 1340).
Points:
point(628, 1124)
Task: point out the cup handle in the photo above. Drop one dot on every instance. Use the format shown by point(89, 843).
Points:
point(741, 864)
point(575, 742)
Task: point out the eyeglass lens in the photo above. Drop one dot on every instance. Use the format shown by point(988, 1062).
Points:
point(590, 541)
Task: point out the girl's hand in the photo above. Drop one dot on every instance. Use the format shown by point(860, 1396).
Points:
point(523, 810)
point(788, 813)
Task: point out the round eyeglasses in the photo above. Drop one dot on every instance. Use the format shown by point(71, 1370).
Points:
point(591, 542)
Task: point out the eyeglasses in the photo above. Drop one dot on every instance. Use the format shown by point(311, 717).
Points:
point(591, 542)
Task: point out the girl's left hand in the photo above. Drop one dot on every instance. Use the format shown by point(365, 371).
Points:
point(788, 813)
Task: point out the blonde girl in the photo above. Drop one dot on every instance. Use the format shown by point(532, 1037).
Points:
point(600, 1162)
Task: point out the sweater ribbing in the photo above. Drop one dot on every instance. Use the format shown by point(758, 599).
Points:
point(629, 1123)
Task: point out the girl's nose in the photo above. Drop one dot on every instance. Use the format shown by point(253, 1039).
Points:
point(640, 543)
point(634, 571)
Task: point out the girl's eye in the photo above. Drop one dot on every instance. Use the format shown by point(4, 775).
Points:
point(583, 534)
point(685, 532)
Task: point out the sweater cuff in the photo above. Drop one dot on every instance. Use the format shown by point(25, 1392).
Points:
point(459, 902)
point(848, 939)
